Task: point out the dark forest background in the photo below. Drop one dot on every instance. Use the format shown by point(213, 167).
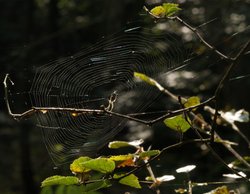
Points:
point(35, 32)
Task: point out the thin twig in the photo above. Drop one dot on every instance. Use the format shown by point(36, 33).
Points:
point(6, 98)
point(179, 144)
point(194, 30)
point(230, 68)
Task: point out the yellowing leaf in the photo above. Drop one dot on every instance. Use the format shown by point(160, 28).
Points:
point(77, 165)
point(177, 123)
point(129, 162)
point(60, 180)
point(158, 11)
point(123, 160)
point(219, 190)
point(131, 180)
point(144, 78)
point(103, 165)
point(166, 10)
point(171, 9)
point(121, 157)
point(192, 101)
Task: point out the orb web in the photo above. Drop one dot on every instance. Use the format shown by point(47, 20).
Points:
point(87, 80)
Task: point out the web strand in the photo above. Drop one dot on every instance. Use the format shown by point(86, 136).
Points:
point(95, 73)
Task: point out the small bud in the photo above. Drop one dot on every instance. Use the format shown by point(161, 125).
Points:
point(44, 111)
point(74, 114)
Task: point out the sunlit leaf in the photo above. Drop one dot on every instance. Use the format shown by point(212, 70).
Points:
point(177, 123)
point(192, 101)
point(158, 11)
point(186, 169)
point(145, 78)
point(120, 144)
point(136, 143)
point(60, 180)
point(149, 178)
point(103, 165)
point(219, 190)
point(239, 116)
point(235, 176)
point(121, 157)
point(166, 10)
point(171, 9)
point(77, 165)
point(130, 180)
point(149, 153)
point(180, 190)
point(165, 178)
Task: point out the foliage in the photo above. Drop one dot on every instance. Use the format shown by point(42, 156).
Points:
point(177, 123)
point(166, 10)
point(84, 168)
point(93, 174)
point(59, 180)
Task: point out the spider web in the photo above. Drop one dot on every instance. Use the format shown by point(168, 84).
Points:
point(87, 80)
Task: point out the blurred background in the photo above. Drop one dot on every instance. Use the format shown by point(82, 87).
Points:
point(36, 32)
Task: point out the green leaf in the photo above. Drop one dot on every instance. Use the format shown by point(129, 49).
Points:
point(60, 189)
point(130, 180)
point(60, 180)
point(192, 101)
point(145, 78)
point(158, 11)
point(73, 189)
point(103, 165)
point(120, 144)
point(120, 158)
point(47, 190)
point(177, 123)
point(77, 165)
point(96, 186)
point(149, 153)
point(171, 9)
point(87, 188)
